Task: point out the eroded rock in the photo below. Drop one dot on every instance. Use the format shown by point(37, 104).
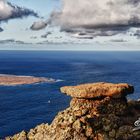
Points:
point(102, 118)
point(97, 90)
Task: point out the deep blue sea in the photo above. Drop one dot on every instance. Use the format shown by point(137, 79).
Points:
point(24, 107)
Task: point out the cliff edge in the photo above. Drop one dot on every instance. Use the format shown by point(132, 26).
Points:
point(98, 111)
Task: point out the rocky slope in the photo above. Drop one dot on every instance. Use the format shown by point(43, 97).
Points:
point(97, 111)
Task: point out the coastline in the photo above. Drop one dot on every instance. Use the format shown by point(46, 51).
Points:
point(14, 80)
point(77, 69)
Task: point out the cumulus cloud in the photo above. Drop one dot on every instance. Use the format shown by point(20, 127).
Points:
point(101, 17)
point(10, 11)
point(39, 25)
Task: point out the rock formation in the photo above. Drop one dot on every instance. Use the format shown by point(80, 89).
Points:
point(90, 91)
point(97, 111)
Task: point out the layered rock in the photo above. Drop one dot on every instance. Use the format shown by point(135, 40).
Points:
point(101, 89)
point(97, 111)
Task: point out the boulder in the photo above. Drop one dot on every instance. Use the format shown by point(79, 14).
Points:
point(97, 90)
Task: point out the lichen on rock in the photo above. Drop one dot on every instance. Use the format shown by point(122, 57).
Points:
point(102, 116)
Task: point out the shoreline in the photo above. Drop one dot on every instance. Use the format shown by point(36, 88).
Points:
point(15, 80)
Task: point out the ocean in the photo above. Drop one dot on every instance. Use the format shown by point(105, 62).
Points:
point(24, 107)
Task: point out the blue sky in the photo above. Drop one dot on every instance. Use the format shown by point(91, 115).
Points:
point(18, 29)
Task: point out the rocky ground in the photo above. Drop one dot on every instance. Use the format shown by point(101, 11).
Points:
point(97, 112)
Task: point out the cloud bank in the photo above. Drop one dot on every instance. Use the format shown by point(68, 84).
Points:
point(12, 41)
point(10, 11)
point(38, 25)
point(96, 18)
point(118, 40)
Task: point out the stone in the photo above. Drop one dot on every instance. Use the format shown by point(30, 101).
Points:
point(112, 133)
point(77, 125)
point(95, 118)
point(89, 131)
point(19, 136)
point(98, 90)
point(96, 107)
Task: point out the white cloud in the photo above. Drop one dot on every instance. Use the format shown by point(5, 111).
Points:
point(5, 10)
point(99, 17)
point(9, 11)
point(38, 25)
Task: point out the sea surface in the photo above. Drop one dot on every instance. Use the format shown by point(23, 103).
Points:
point(24, 107)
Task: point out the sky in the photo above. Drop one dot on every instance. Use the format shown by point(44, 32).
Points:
point(70, 24)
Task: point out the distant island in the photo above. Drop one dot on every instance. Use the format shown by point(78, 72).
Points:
point(13, 80)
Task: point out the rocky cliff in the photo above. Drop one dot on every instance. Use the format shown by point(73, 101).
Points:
point(98, 111)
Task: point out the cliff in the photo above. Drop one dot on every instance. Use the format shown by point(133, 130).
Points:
point(98, 111)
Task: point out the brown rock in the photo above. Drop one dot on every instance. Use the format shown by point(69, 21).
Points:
point(112, 133)
point(97, 90)
point(20, 136)
point(93, 118)
point(77, 125)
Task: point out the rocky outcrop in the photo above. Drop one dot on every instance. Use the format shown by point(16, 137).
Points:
point(101, 89)
point(97, 111)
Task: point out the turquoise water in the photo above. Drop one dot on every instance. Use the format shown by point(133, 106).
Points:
point(24, 107)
